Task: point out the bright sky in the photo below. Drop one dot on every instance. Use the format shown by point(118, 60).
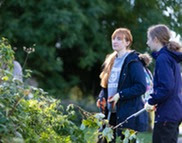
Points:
point(175, 37)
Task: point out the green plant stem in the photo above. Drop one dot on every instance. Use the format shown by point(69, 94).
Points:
point(15, 105)
point(25, 61)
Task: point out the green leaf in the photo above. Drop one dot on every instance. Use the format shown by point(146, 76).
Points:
point(82, 127)
point(127, 133)
point(99, 116)
point(125, 140)
point(108, 133)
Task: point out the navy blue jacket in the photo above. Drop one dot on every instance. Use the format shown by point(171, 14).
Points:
point(167, 86)
point(132, 84)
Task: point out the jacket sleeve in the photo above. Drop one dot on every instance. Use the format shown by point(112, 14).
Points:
point(102, 93)
point(138, 80)
point(165, 81)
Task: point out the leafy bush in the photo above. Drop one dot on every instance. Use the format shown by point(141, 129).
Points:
point(28, 114)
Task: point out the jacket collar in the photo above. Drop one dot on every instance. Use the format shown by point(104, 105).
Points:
point(155, 54)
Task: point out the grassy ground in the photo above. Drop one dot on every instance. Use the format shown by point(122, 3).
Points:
point(145, 137)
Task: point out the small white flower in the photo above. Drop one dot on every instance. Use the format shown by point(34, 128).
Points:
point(24, 48)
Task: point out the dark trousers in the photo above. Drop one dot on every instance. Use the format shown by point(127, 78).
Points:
point(165, 132)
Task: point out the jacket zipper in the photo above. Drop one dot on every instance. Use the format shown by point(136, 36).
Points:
point(126, 72)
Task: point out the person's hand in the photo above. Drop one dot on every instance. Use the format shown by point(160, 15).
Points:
point(114, 99)
point(149, 108)
point(101, 104)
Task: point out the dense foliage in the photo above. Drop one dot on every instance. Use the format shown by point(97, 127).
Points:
point(72, 37)
point(29, 115)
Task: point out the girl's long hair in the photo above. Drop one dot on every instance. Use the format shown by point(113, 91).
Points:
point(163, 34)
point(108, 63)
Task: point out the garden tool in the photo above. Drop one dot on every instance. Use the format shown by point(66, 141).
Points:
point(110, 108)
point(131, 116)
point(102, 103)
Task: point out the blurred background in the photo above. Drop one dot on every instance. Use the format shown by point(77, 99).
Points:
point(72, 37)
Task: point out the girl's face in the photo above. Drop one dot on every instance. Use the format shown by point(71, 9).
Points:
point(119, 43)
point(152, 43)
